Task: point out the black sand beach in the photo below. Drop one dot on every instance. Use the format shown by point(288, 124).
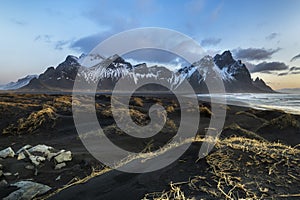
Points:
point(257, 155)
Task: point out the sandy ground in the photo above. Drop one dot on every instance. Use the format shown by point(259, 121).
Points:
point(47, 119)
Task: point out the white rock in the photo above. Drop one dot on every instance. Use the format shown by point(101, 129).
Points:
point(1, 173)
point(40, 148)
point(63, 157)
point(21, 156)
point(24, 148)
point(7, 174)
point(60, 165)
point(51, 155)
point(30, 167)
point(36, 160)
point(27, 190)
point(8, 152)
point(36, 172)
point(58, 178)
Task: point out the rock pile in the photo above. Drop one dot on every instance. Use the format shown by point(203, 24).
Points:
point(36, 156)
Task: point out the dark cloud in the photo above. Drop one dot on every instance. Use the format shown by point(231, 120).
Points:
point(211, 41)
point(268, 72)
point(115, 23)
point(254, 53)
point(283, 74)
point(86, 44)
point(295, 57)
point(272, 36)
point(269, 66)
point(295, 69)
point(292, 70)
point(154, 55)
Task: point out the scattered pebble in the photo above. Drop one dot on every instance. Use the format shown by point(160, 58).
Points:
point(60, 165)
point(36, 172)
point(30, 167)
point(58, 178)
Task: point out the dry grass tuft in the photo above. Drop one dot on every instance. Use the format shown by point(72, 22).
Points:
point(175, 192)
point(250, 169)
point(138, 102)
point(249, 114)
point(44, 118)
point(236, 130)
point(206, 112)
point(242, 168)
point(282, 122)
point(170, 109)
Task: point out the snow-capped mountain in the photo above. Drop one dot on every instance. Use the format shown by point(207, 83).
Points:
point(234, 74)
point(18, 84)
point(106, 72)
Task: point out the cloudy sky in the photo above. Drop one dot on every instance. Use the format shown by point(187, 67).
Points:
point(264, 34)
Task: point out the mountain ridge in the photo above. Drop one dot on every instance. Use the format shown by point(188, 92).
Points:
point(108, 71)
point(19, 83)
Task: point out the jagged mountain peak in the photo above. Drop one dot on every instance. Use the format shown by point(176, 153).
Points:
point(224, 59)
point(259, 83)
point(112, 63)
point(258, 80)
point(70, 61)
point(71, 58)
point(116, 58)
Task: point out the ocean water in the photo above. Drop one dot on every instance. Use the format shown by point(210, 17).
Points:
point(289, 103)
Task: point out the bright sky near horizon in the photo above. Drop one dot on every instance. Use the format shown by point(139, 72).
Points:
point(263, 34)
